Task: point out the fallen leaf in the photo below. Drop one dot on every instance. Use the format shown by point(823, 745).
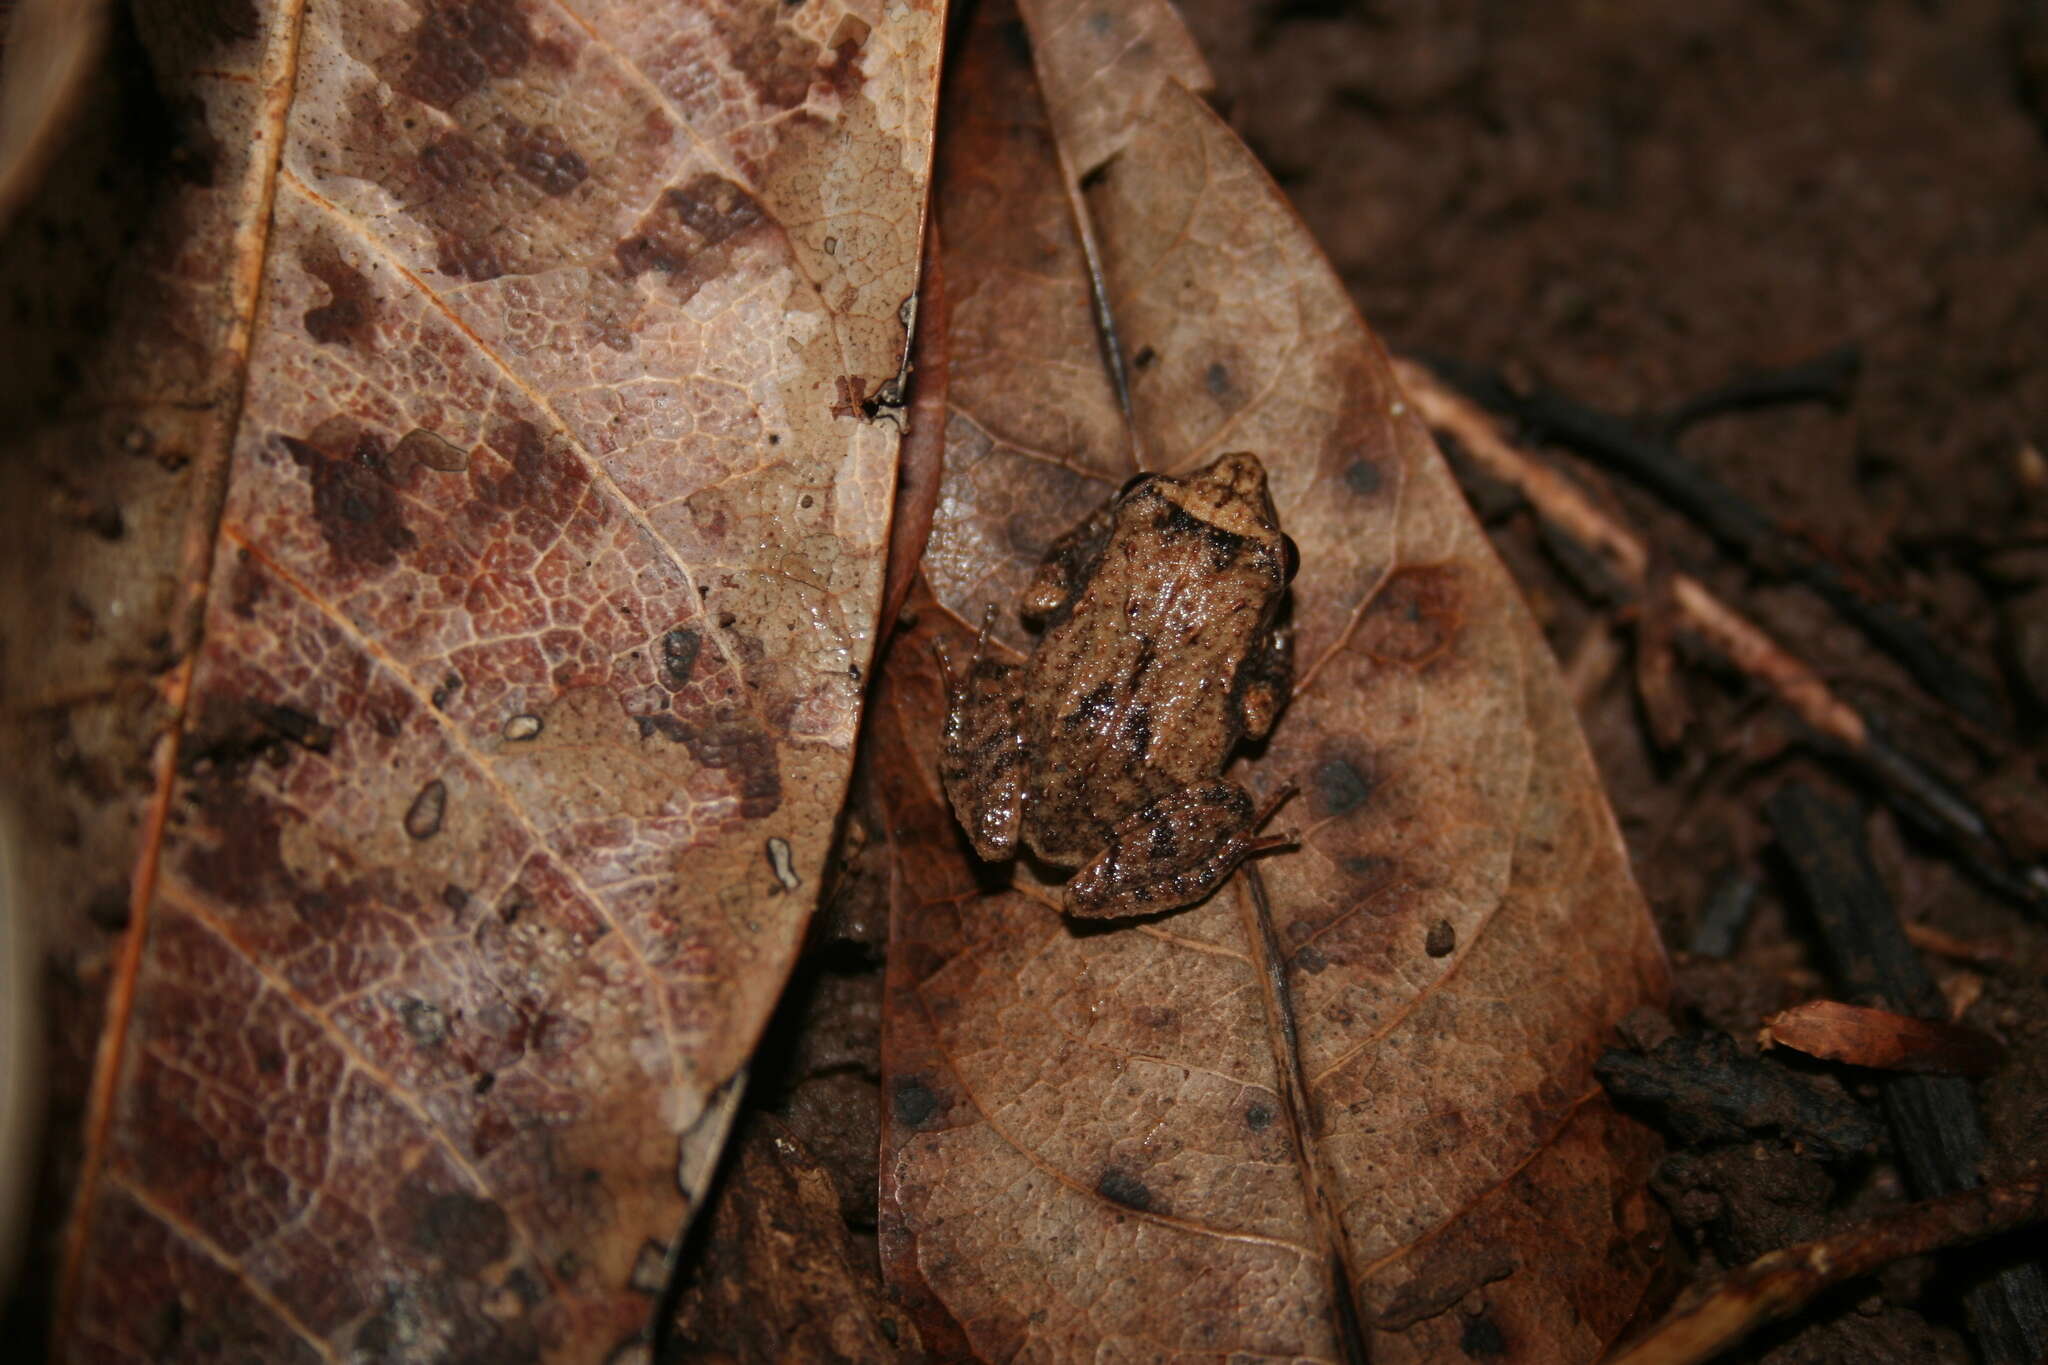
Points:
point(507, 602)
point(778, 1277)
point(1838, 1032)
point(46, 66)
point(1351, 1093)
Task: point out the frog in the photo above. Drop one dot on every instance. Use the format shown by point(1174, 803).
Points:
point(1159, 655)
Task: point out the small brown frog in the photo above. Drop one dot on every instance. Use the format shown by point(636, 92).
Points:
point(1105, 749)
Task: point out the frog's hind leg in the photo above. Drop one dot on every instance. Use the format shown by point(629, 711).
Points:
point(981, 761)
point(1173, 851)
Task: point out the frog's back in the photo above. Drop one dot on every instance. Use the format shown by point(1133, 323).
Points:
point(1135, 684)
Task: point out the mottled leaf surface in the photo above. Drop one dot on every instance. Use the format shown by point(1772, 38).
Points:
point(1362, 1073)
point(527, 615)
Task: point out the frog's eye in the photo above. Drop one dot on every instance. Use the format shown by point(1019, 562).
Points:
point(1290, 557)
point(1132, 483)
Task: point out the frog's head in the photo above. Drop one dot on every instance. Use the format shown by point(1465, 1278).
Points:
point(1231, 495)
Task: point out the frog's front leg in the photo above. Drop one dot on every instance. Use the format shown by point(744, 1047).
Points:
point(982, 760)
point(1067, 564)
point(1171, 852)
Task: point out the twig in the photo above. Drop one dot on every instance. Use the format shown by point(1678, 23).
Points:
point(1777, 1284)
point(1743, 529)
point(1823, 379)
point(1935, 1128)
point(1926, 798)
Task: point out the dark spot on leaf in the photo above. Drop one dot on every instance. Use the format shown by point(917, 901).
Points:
point(459, 46)
point(455, 898)
point(1442, 940)
point(449, 686)
point(1482, 1338)
point(484, 1082)
point(913, 1102)
point(350, 313)
point(679, 657)
point(1144, 359)
point(1217, 380)
point(544, 159)
point(108, 908)
point(453, 160)
point(467, 258)
point(424, 1022)
point(736, 744)
point(663, 724)
point(1340, 787)
point(1413, 618)
point(1119, 1186)
point(692, 232)
point(1258, 1117)
point(1363, 477)
point(776, 60)
point(465, 1232)
point(843, 72)
point(1310, 959)
point(423, 817)
point(355, 502)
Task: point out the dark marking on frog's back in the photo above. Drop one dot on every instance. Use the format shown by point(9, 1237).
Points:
point(1136, 731)
point(1096, 707)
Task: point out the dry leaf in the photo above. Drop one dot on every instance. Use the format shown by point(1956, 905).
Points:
point(506, 579)
point(1838, 1032)
point(778, 1277)
point(1361, 1073)
point(46, 66)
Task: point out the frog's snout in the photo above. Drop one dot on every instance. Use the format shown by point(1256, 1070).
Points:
point(1240, 472)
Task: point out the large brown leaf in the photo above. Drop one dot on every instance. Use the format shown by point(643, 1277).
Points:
point(524, 364)
point(1361, 1073)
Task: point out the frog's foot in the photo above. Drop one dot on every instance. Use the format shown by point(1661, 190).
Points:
point(1172, 852)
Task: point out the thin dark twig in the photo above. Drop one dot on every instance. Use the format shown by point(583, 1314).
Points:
point(1841, 731)
point(1936, 1131)
point(1825, 379)
point(1741, 528)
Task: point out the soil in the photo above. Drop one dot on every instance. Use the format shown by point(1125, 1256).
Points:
point(1632, 204)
